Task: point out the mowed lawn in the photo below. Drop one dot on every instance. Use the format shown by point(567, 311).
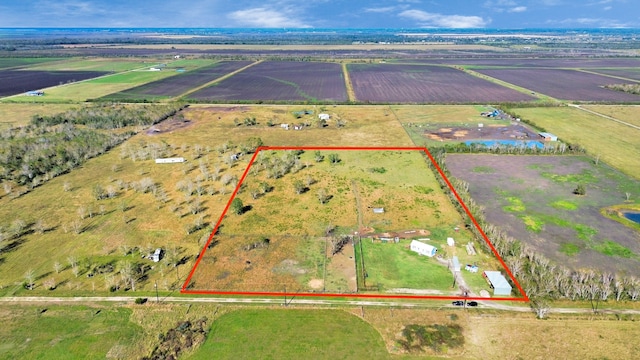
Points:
point(395, 266)
point(615, 143)
point(65, 332)
point(291, 334)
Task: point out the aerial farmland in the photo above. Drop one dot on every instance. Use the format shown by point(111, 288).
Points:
point(196, 196)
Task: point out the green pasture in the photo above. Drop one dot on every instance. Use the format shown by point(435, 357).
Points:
point(65, 331)
point(619, 148)
point(625, 113)
point(291, 334)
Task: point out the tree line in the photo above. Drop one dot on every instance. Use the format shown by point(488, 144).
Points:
point(52, 145)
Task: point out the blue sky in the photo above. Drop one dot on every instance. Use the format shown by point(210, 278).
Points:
point(321, 13)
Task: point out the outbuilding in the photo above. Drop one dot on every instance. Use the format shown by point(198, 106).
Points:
point(423, 249)
point(498, 282)
point(324, 117)
point(157, 255)
point(548, 136)
point(170, 160)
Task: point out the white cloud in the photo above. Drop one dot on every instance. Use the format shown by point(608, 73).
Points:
point(266, 18)
point(518, 9)
point(380, 9)
point(427, 19)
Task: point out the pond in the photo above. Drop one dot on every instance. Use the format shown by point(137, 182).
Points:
point(516, 143)
point(633, 216)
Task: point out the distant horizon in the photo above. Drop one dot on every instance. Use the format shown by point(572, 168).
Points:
point(298, 14)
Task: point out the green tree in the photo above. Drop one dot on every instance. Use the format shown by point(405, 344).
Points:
point(334, 158)
point(237, 206)
point(580, 190)
point(299, 187)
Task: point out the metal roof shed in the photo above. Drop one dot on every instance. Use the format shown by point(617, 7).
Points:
point(499, 283)
point(456, 263)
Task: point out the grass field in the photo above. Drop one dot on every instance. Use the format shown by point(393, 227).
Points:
point(6, 63)
point(12, 115)
point(394, 266)
point(618, 148)
point(626, 113)
point(60, 332)
point(294, 333)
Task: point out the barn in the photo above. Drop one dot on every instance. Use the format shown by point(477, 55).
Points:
point(498, 282)
point(423, 249)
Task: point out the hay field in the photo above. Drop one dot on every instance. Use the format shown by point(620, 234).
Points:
point(616, 144)
point(626, 113)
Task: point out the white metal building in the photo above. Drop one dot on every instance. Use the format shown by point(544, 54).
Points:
point(498, 282)
point(423, 249)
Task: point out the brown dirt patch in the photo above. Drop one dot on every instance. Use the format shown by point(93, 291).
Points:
point(169, 125)
point(316, 284)
point(515, 131)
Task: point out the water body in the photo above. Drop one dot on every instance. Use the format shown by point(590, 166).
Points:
point(635, 217)
point(515, 143)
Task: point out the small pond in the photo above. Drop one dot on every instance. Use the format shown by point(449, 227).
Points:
point(633, 216)
point(516, 143)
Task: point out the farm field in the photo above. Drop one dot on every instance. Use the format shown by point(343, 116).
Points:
point(6, 63)
point(518, 62)
point(280, 81)
point(632, 73)
point(12, 115)
point(94, 88)
point(531, 198)
point(626, 113)
point(619, 148)
point(291, 253)
point(109, 65)
point(425, 84)
point(14, 82)
point(562, 84)
point(178, 83)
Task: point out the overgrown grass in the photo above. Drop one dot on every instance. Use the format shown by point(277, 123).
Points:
point(614, 249)
point(564, 205)
point(569, 249)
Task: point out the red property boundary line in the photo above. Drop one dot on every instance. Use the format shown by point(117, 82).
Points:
point(185, 290)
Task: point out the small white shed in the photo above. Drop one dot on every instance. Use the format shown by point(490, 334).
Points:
point(170, 160)
point(157, 255)
point(324, 117)
point(423, 249)
point(450, 241)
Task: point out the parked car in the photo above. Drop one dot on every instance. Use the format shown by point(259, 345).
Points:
point(457, 303)
point(472, 303)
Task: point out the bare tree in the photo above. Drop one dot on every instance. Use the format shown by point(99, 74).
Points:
point(57, 267)
point(323, 196)
point(39, 226)
point(76, 226)
point(29, 276)
point(82, 212)
point(7, 187)
point(66, 186)
point(628, 195)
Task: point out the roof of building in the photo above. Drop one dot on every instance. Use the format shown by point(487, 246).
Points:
point(497, 280)
point(546, 134)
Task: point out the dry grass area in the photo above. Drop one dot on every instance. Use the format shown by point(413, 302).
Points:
point(364, 125)
point(516, 336)
point(12, 115)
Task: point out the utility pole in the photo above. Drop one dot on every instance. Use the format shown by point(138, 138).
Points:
point(157, 297)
